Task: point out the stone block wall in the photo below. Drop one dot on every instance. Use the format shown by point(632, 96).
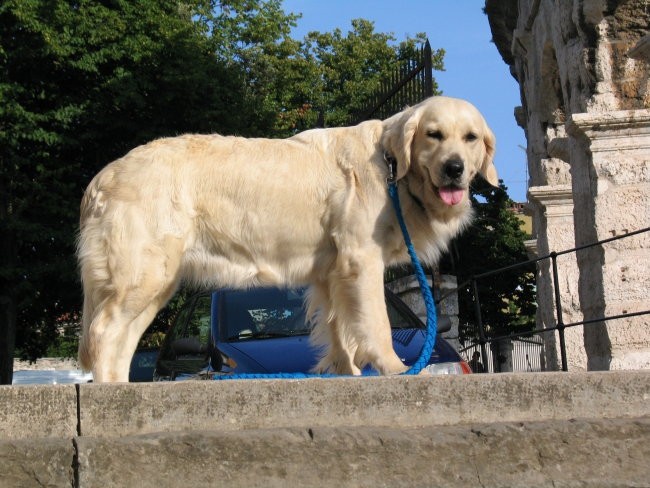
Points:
point(583, 68)
point(546, 429)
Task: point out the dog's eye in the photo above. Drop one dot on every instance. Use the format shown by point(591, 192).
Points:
point(435, 134)
point(471, 137)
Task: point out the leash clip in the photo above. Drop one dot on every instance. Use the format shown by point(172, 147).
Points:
point(392, 168)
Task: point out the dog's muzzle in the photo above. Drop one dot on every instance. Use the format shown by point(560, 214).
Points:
point(453, 193)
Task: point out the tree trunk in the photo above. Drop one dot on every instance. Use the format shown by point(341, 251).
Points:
point(8, 258)
point(7, 338)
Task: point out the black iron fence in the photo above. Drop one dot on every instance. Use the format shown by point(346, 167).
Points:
point(525, 350)
point(411, 83)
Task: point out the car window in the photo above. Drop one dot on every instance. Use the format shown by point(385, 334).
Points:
point(186, 348)
point(198, 325)
point(262, 313)
point(192, 322)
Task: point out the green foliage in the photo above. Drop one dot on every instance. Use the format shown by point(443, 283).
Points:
point(66, 341)
point(80, 84)
point(335, 74)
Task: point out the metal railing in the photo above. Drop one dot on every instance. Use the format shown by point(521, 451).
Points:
point(411, 83)
point(481, 342)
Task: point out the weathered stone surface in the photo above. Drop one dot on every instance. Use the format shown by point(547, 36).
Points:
point(580, 453)
point(554, 205)
point(38, 411)
point(613, 278)
point(584, 75)
point(544, 429)
point(133, 409)
point(43, 462)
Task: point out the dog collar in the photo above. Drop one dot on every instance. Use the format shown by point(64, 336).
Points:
point(391, 179)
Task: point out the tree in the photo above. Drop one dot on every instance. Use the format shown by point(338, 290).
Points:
point(80, 84)
point(334, 75)
point(495, 240)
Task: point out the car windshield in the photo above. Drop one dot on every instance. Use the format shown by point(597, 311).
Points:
point(270, 312)
point(262, 313)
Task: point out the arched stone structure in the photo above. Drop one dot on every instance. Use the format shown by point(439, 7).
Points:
point(583, 67)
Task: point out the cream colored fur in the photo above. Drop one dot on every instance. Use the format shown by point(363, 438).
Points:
point(313, 209)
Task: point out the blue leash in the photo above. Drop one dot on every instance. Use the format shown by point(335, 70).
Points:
point(432, 322)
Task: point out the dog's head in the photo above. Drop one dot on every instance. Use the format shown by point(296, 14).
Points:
point(441, 144)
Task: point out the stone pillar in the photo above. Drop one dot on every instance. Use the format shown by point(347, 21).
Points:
point(610, 165)
point(554, 207)
point(448, 308)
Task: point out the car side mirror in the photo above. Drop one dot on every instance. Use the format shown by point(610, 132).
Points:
point(216, 359)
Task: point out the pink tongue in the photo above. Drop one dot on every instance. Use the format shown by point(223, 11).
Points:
point(451, 195)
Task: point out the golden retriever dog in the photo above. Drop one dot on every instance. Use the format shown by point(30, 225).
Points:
point(309, 210)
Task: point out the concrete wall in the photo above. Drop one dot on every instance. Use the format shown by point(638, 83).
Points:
point(549, 429)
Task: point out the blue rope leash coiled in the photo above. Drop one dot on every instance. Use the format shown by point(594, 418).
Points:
point(432, 322)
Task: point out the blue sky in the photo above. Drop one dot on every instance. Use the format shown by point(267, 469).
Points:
point(474, 69)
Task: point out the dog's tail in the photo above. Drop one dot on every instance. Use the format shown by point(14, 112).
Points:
point(84, 355)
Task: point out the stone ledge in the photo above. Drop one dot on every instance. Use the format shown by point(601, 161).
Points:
point(594, 453)
point(408, 402)
point(38, 411)
point(114, 410)
point(488, 430)
point(623, 130)
point(36, 462)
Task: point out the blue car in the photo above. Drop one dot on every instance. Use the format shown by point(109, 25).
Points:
point(264, 330)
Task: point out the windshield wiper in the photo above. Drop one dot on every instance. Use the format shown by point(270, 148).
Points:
point(268, 334)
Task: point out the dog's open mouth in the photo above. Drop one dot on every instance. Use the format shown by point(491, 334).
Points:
point(451, 195)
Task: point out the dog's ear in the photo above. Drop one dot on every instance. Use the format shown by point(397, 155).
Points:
point(397, 138)
point(487, 170)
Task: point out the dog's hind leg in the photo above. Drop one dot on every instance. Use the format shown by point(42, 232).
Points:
point(137, 286)
point(118, 342)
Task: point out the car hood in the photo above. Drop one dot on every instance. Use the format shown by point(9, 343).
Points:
point(295, 354)
point(277, 355)
point(408, 344)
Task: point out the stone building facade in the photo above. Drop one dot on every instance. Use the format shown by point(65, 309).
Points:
point(582, 67)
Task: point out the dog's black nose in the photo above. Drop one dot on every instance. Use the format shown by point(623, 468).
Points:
point(454, 168)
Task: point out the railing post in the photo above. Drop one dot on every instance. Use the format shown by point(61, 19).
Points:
point(479, 323)
point(558, 311)
point(428, 70)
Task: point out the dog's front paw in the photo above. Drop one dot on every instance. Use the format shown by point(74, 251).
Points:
point(401, 370)
point(345, 367)
point(394, 368)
